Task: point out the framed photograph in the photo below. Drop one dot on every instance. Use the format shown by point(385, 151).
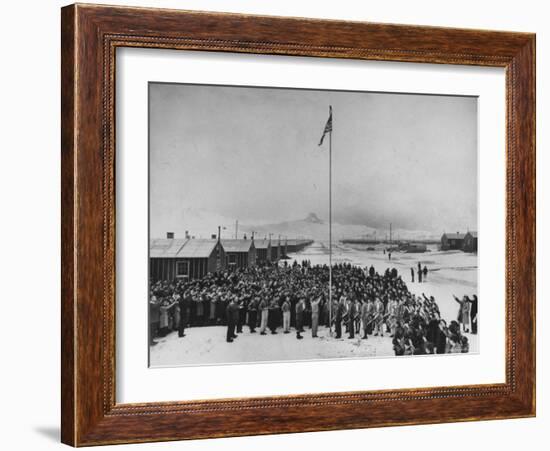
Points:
point(278, 225)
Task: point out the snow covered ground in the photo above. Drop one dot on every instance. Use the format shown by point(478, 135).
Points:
point(451, 272)
point(207, 345)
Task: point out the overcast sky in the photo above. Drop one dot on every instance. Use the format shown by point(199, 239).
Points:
point(252, 154)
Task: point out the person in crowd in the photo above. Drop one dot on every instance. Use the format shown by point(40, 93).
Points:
point(473, 313)
point(285, 309)
point(232, 312)
point(339, 314)
point(183, 308)
point(300, 306)
point(264, 311)
point(393, 306)
point(253, 314)
point(165, 316)
point(199, 310)
point(463, 316)
point(154, 318)
point(352, 314)
point(379, 317)
point(365, 318)
point(364, 300)
point(315, 316)
point(273, 315)
point(242, 313)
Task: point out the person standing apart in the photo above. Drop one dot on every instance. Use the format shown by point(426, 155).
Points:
point(425, 273)
point(412, 275)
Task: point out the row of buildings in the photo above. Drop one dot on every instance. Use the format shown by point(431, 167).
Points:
point(192, 258)
point(466, 242)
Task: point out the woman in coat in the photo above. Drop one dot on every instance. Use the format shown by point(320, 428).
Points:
point(463, 316)
point(466, 314)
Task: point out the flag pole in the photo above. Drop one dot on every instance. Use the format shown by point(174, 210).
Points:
point(330, 221)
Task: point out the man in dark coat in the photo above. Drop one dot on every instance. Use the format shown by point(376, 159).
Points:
point(253, 314)
point(232, 316)
point(338, 318)
point(241, 316)
point(273, 316)
point(473, 314)
point(352, 313)
point(372, 271)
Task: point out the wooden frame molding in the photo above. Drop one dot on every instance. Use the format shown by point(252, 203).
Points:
point(90, 36)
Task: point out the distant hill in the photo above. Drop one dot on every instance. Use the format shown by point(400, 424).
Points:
point(310, 227)
point(202, 223)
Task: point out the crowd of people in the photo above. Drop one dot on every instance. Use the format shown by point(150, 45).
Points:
point(275, 299)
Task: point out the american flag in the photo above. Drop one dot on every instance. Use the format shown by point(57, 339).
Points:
point(328, 126)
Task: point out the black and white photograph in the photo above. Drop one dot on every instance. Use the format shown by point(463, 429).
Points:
point(297, 224)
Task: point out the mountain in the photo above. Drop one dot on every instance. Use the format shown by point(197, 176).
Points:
point(313, 219)
point(203, 223)
point(309, 227)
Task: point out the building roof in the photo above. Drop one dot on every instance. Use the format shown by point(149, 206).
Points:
point(237, 245)
point(197, 248)
point(474, 234)
point(261, 244)
point(181, 248)
point(165, 247)
point(455, 236)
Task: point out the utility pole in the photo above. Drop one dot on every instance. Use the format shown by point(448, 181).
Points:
point(236, 229)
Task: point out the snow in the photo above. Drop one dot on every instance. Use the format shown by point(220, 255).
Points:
point(450, 272)
point(207, 345)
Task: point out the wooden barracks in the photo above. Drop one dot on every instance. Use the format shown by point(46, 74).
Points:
point(171, 258)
